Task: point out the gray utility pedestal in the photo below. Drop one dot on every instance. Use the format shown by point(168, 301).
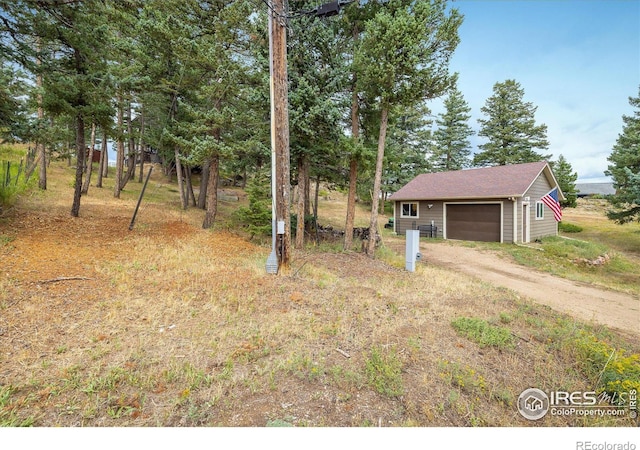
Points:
point(412, 250)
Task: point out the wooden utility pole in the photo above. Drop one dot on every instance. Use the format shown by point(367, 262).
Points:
point(280, 129)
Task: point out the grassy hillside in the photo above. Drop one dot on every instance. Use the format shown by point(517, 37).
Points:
point(172, 325)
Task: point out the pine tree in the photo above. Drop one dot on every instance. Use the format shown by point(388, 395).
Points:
point(625, 168)
point(452, 149)
point(316, 74)
point(566, 178)
point(403, 59)
point(12, 90)
point(64, 42)
point(408, 144)
point(510, 128)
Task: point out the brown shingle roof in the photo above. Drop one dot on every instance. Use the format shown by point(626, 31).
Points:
point(487, 182)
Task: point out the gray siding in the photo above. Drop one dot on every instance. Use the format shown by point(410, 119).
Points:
point(425, 216)
point(436, 214)
point(515, 227)
point(548, 226)
point(507, 221)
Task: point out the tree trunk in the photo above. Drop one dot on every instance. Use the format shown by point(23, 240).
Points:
point(183, 197)
point(204, 181)
point(353, 169)
point(119, 151)
point(31, 167)
point(89, 161)
point(303, 175)
point(189, 186)
point(131, 171)
point(212, 192)
point(80, 152)
point(315, 206)
point(351, 203)
point(141, 146)
point(131, 153)
point(131, 168)
point(104, 159)
point(373, 226)
point(307, 189)
point(42, 183)
point(105, 150)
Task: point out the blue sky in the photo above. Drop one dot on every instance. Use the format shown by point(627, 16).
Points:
point(578, 61)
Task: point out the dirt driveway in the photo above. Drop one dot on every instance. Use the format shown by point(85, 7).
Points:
point(584, 302)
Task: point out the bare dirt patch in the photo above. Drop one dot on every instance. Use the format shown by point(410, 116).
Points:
point(588, 303)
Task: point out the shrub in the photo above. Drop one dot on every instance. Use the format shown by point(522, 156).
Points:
point(482, 333)
point(616, 372)
point(13, 180)
point(256, 217)
point(384, 372)
point(569, 227)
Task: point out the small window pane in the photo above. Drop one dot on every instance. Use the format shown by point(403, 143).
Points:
point(410, 210)
point(539, 210)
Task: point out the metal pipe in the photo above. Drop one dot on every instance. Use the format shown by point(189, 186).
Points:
point(135, 213)
point(272, 260)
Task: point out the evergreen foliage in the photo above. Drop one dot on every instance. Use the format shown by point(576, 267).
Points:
point(625, 168)
point(510, 128)
point(12, 105)
point(566, 178)
point(408, 145)
point(452, 148)
point(256, 217)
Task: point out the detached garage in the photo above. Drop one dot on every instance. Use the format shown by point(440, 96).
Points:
point(491, 204)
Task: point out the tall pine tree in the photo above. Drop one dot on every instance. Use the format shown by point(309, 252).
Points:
point(510, 128)
point(403, 59)
point(566, 178)
point(452, 148)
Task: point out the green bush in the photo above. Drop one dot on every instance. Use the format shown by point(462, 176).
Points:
point(256, 217)
point(569, 227)
point(13, 179)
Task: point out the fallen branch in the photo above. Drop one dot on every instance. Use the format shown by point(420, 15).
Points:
point(55, 280)
point(343, 353)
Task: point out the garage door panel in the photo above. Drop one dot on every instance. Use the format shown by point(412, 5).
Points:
point(474, 222)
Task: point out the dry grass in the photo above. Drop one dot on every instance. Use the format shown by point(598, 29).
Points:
point(172, 325)
point(591, 215)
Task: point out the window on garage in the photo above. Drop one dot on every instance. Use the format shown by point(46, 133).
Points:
point(539, 210)
point(409, 209)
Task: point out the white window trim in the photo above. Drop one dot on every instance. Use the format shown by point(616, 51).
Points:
point(417, 216)
point(539, 207)
point(526, 222)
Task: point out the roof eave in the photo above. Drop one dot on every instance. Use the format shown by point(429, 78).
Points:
point(475, 197)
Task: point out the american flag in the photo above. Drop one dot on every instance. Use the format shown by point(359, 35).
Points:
point(551, 200)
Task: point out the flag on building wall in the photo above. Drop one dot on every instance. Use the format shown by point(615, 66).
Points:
point(551, 200)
